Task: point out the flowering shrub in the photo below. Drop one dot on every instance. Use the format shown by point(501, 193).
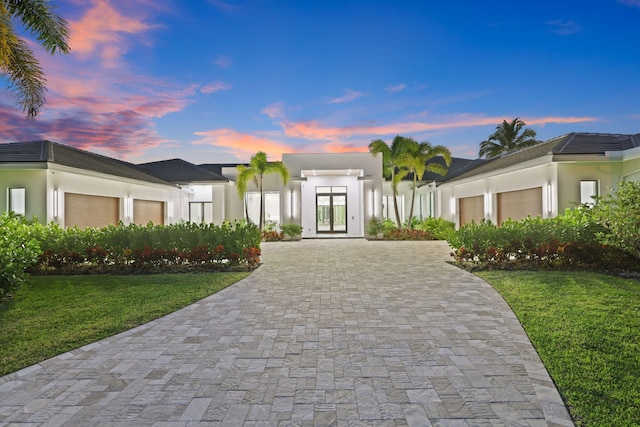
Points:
point(272, 235)
point(567, 241)
point(406, 234)
point(134, 248)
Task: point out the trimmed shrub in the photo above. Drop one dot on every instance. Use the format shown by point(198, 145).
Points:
point(19, 249)
point(291, 230)
point(567, 241)
point(134, 248)
point(441, 229)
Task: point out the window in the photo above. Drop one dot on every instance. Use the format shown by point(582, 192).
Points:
point(201, 212)
point(388, 209)
point(17, 197)
point(427, 205)
point(588, 190)
point(271, 207)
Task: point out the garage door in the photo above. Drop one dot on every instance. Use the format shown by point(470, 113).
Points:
point(85, 211)
point(471, 209)
point(518, 205)
point(145, 211)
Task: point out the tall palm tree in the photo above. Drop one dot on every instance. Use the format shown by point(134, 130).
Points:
point(416, 161)
point(391, 157)
point(507, 137)
point(17, 62)
point(257, 169)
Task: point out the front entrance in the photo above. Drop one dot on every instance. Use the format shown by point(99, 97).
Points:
point(331, 209)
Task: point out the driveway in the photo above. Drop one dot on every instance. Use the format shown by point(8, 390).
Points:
point(326, 332)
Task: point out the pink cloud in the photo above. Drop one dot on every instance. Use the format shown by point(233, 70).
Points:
point(274, 111)
point(102, 31)
point(395, 88)
point(350, 95)
point(216, 86)
point(315, 130)
point(244, 145)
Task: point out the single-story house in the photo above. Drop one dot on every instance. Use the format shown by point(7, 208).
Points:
point(68, 186)
point(330, 195)
point(543, 180)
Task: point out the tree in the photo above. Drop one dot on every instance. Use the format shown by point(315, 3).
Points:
point(416, 161)
point(257, 169)
point(391, 157)
point(17, 61)
point(508, 137)
point(619, 213)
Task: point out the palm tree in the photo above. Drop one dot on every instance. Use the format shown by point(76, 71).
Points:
point(391, 157)
point(17, 62)
point(257, 169)
point(507, 137)
point(416, 161)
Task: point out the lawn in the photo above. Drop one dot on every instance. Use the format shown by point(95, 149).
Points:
point(586, 328)
point(54, 314)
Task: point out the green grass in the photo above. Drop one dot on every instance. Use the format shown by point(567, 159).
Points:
point(586, 328)
point(54, 314)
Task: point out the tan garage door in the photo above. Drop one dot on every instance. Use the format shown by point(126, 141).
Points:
point(518, 205)
point(85, 211)
point(145, 211)
point(471, 209)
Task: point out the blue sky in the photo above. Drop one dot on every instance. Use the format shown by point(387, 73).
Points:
point(216, 81)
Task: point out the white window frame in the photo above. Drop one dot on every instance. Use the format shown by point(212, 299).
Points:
point(387, 207)
point(17, 200)
point(205, 214)
point(272, 206)
point(588, 189)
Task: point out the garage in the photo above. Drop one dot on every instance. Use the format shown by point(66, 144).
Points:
point(85, 211)
point(519, 204)
point(471, 209)
point(145, 211)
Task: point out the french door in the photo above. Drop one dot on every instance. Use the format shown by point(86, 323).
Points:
point(331, 209)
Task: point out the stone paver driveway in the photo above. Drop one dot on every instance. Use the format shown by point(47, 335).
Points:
point(325, 332)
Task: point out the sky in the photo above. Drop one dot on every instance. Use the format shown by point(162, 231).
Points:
point(215, 81)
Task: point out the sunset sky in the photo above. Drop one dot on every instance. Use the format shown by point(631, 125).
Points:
point(213, 81)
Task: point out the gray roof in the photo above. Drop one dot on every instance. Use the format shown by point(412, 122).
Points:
point(570, 144)
point(52, 152)
point(182, 172)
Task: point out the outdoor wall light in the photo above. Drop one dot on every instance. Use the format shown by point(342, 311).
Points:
point(487, 204)
point(373, 202)
point(55, 203)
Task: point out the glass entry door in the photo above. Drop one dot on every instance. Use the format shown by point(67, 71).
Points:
point(331, 209)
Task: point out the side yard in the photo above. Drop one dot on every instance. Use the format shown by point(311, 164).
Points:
point(586, 328)
point(55, 314)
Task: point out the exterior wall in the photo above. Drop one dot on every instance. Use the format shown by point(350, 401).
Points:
point(528, 175)
point(42, 186)
point(213, 193)
point(34, 180)
point(233, 208)
point(355, 218)
point(631, 165)
point(361, 173)
point(607, 173)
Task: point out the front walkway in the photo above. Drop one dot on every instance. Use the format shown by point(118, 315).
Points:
point(325, 332)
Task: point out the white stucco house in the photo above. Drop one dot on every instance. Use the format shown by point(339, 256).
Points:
point(543, 180)
point(330, 195)
point(68, 186)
